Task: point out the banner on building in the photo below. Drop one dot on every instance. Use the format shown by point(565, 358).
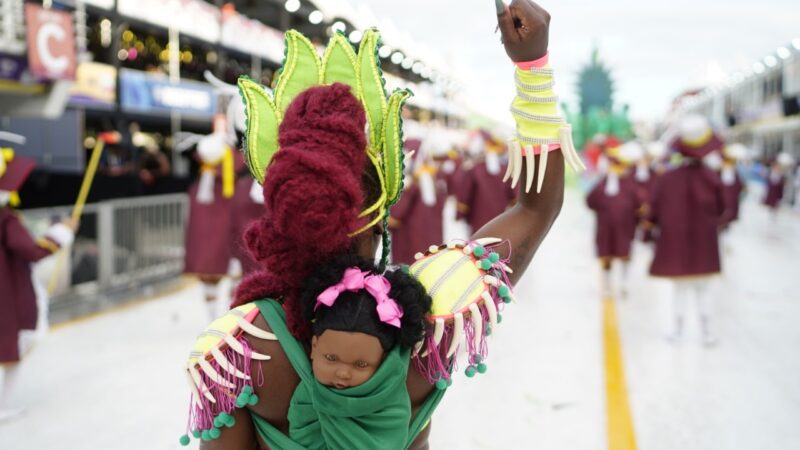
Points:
point(95, 85)
point(149, 93)
point(51, 43)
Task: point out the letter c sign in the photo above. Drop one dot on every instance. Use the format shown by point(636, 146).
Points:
point(51, 43)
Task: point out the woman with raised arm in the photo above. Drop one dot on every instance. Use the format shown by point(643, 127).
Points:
point(328, 148)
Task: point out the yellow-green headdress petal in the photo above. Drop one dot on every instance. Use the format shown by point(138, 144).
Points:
point(393, 146)
point(339, 63)
point(301, 70)
point(261, 135)
point(370, 82)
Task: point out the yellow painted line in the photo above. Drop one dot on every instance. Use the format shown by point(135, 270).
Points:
point(621, 435)
point(185, 283)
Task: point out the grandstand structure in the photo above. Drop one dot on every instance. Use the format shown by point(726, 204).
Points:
point(759, 106)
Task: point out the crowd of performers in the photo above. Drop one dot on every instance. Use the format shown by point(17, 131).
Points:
point(682, 197)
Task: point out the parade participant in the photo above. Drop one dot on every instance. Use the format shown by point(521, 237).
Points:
point(687, 208)
point(655, 152)
point(208, 249)
point(732, 185)
point(327, 190)
point(416, 220)
point(776, 179)
point(18, 250)
point(248, 198)
point(732, 188)
point(450, 165)
point(617, 203)
point(481, 192)
point(247, 206)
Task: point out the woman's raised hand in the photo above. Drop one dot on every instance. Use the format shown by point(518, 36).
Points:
point(525, 29)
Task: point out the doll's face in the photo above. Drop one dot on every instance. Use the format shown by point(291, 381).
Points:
point(342, 359)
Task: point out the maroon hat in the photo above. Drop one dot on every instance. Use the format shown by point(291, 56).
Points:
point(697, 151)
point(16, 172)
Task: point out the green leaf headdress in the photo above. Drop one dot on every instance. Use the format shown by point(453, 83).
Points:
point(303, 69)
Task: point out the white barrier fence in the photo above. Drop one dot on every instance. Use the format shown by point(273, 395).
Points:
point(121, 244)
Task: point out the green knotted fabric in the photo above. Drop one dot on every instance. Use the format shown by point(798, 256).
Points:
point(376, 414)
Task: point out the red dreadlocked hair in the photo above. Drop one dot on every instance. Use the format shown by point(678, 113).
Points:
point(312, 198)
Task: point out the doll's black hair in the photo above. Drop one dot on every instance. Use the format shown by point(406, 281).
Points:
point(356, 311)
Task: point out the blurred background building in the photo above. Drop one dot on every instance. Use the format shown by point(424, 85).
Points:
point(759, 107)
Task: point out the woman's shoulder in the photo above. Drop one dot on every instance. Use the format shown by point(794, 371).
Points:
point(274, 379)
point(238, 362)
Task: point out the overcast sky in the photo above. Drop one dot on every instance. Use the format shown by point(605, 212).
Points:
point(655, 49)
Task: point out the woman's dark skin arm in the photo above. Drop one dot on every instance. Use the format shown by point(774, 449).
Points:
point(525, 28)
point(526, 224)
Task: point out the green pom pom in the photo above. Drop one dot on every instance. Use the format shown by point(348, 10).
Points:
point(247, 389)
point(503, 291)
point(481, 368)
point(196, 434)
point(205, 436)
point(506, 299)
point(230, 421)
point(214, 433)
point(404, 268)
point(494, 257)
point(486, 264)
point(242, 399)
point(470, 372)
point(184, 440)
point(252, 400)
point(218, 421)
point(499, 318)
point(478, 251)
point(441, 384)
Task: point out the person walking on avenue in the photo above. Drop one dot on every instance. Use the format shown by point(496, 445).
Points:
point(688, 209)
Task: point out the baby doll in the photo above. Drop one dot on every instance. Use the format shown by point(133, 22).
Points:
point(358, 317)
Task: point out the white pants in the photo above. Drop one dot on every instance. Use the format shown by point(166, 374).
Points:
point(701, 289)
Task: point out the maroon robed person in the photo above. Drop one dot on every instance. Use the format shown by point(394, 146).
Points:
point(416, 225)
point(245, 210)
point(617, 217)
point(482, 195)
point(688, 208)
point(775, 182)
point(208, 249)
point(18, 250)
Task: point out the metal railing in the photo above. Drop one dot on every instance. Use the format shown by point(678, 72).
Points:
point(121, 244)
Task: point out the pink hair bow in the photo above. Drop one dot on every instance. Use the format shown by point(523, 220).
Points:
point(354, 280)
point(388, 310)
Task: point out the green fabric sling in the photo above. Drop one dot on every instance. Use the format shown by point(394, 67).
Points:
point(376, 414)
